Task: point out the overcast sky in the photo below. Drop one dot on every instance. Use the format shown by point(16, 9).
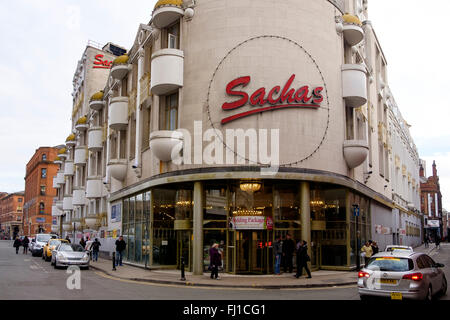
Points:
point(43, 40)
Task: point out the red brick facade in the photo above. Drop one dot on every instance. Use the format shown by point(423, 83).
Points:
point(39, 191)
point(431, 197)
point(11, 214)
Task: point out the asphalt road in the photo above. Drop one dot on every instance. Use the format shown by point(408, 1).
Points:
point(23, 277)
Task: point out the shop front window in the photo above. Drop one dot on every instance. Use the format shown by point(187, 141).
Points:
point(361, 233)
point(215, 223)
point(328, 225)
point(164, 235)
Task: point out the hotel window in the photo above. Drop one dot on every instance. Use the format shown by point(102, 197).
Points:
point(122, 144)
point(41, 208)
point(44, 157)
point(43, 173)
point(42, 190)
point(171, 36)
point(133, 136)
point(168, 112)
point(146, 128)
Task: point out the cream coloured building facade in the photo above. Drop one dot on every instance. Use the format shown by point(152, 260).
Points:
point(221, 127)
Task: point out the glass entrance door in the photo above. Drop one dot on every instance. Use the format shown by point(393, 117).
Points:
point(316, 256)
point(252, 252)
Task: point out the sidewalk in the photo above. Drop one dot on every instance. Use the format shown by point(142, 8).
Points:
point(320, 279)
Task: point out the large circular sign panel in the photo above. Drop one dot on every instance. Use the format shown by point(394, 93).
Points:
point(271, 82)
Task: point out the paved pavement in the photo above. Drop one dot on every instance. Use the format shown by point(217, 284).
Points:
point(320, 279)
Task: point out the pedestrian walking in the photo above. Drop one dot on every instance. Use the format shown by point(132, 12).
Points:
point(375, 248)
point(438, 241)
point(95, 249)
point(278, 251)
point(215, 261)
point(25, 243)
point(82, 242)
point(288, 249)
point(120, 248)
point(302, 259)
point(17, 244)
point(426, 241)
point(367, 252)
point(68, 239)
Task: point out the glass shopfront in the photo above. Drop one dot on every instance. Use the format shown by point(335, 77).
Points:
point(244, 218)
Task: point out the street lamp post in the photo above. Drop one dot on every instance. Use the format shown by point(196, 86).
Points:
point(356, 215)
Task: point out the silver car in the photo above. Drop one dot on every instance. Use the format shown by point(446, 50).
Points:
point(401, 275)
point(67, 254)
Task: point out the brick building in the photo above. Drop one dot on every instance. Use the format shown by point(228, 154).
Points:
point(39, 191)
point(11, 214)
point(431, 201)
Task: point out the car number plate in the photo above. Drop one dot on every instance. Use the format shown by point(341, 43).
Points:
point(396, 296)
point(388, 281)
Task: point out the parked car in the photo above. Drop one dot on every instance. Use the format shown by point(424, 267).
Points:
point(49, 247)
point(398, 247)
point(66, 254)
point(41, 239)
point(401, 274)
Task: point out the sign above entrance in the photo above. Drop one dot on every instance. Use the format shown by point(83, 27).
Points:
point(99, 63)
point(251, 223)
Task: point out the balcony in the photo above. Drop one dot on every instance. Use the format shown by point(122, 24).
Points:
point(55, 228)
point(354, 85)
point(79, 197)
point(67, 203)
point(71, 140)
point(60, 178)
point(59, 205)
point(167, 71)
point(80, 156)
point(58, 160)
point(166, 143)
point(95, 137)
point(56, 212)
point(118, 113)
point(353, 32)
point(120, 67)
point(118, 168)
point(94, 187)
point(92, 221)
point(68, 168)
point(96, 102)
point(67, 226)
point(55, 183)
point(355, 152)
point(81, 124)
point(62, 153)
point(166, 12)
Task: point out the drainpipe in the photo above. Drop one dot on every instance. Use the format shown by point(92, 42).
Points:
point(137, 166)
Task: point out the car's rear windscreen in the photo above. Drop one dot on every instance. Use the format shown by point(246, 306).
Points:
point(390, 264)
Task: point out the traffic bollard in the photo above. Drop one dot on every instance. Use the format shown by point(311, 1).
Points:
point(183, 278)
point(114, 261)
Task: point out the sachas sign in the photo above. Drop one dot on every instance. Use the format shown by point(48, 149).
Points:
point(277, 98)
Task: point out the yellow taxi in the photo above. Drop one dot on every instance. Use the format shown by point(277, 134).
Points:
point(50, 246)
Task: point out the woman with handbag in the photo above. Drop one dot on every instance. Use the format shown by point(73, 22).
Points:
point(302, 259)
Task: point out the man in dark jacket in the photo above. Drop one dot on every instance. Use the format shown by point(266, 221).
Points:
point(288, 252)
point(95, 249)
point(278, 251)
point(17, 244)
point(302, 259)
point(120, 248)
point(25, 243)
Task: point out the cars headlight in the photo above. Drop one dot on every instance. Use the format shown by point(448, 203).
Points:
point(38, 246)
point(85, 257)
point(60, 256)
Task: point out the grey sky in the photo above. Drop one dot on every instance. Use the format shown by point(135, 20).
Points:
point(43, 40)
